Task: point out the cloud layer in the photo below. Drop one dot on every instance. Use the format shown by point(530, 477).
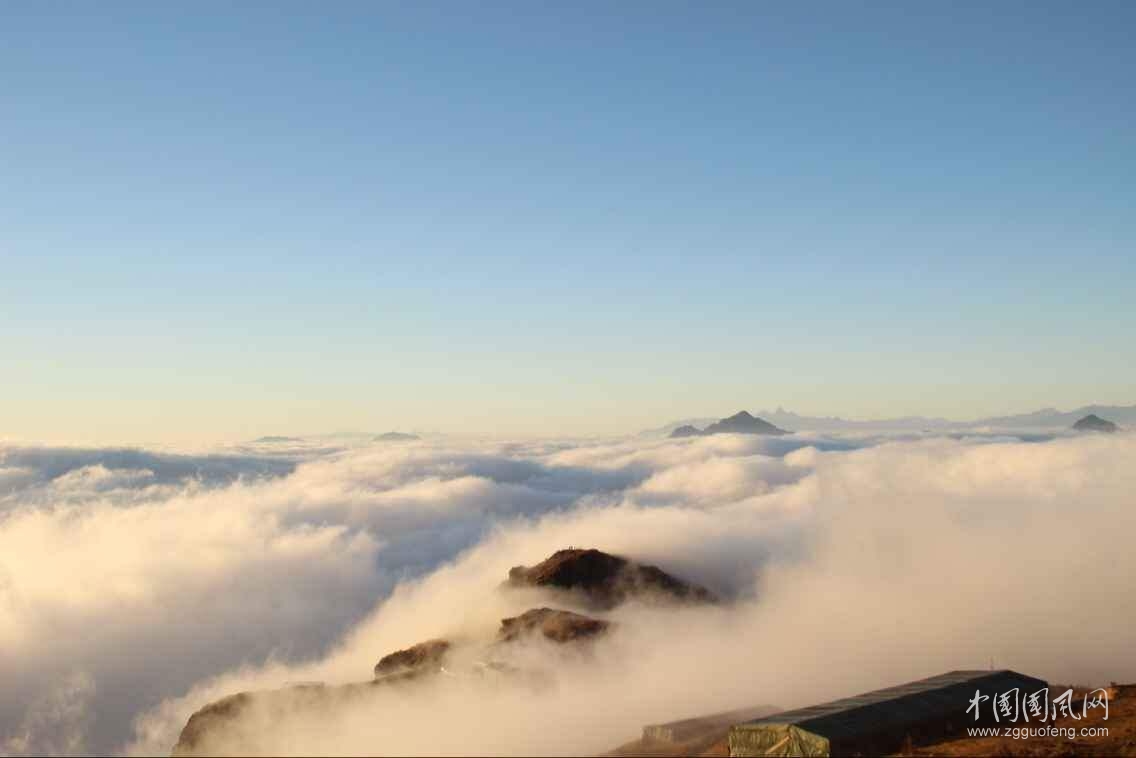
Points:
point(136, 587)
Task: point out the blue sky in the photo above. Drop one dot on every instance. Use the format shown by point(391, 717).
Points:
point(524, 218)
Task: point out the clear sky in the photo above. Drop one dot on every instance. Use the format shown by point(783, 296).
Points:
point(538, 218)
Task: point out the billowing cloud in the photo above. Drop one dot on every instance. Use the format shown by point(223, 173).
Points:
point(850, 564)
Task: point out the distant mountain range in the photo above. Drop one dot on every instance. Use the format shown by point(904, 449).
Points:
point(1047, 418)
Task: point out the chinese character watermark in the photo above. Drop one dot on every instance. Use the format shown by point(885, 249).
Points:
point(1014, 704)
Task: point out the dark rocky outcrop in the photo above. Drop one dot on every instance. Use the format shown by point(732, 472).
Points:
point(1094, 423)
point(603, 580)
point(686, 431)
point(221, 728)
point(553, 624)
point(228, 726)
point(425, 656)
point(208, 720)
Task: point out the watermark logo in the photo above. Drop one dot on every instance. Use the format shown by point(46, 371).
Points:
point(1039, 708)
point(1014, 704)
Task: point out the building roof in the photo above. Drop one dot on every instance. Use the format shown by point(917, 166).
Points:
point(889, 711)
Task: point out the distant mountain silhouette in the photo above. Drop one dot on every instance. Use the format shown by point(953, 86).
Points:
point(743, 423)
point(740, 423)
point(396, 437)
point(1094, 423)
point(1046, 418)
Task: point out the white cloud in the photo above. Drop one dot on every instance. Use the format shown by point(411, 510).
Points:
point(851, 569)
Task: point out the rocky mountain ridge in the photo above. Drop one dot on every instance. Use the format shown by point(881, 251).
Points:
point(583, 577)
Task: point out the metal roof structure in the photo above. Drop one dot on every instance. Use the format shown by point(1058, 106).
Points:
point(880, 721)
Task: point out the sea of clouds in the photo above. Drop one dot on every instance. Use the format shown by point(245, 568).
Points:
point(137, 586)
